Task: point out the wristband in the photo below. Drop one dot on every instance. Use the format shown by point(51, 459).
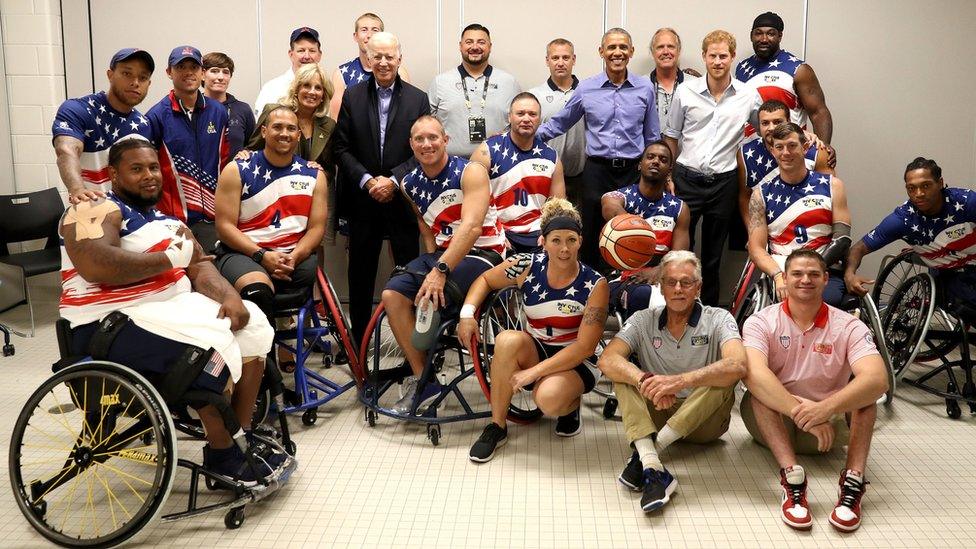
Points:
point(777, 273)
point(644, 377)
point(467, 311)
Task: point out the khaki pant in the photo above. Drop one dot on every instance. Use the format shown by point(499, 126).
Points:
point(702, 417)
point(802, 441)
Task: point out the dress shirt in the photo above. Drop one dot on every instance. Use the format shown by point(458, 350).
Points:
point(385, 96)
point(709, 132)
point(571, 146)
point(620, 120)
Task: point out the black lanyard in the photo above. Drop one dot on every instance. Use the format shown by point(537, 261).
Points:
point(464, 86)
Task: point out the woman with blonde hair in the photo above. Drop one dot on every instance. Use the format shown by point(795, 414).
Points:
point(565, 310)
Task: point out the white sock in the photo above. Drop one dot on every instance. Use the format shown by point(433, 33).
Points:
point(647, 453)
point(666, 437)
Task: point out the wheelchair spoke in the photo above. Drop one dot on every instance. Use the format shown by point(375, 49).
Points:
point(61, 417)
point(64, 448)
point(127, 475)
point(69, 502)
point(110, 495)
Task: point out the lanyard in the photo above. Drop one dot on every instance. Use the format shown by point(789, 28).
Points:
point(484, 91)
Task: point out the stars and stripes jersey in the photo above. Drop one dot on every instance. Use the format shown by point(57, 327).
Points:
point(192, 151)
point(944, 241)
point(353, 72)
point(275, 201)
point(761, 166)
point(553, 316)
point(439, 201)
point(799, 216)
point(520, 182)
point(661, 214)
point(141, 232)
point(774, 80)
point(93, 121)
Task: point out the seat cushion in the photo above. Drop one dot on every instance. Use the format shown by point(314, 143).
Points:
point(36, 262)
point(291, 300)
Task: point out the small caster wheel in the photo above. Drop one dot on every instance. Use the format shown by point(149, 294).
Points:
point(234, 518)
point(326, 361)
point(952, 409)
point(341, 358)
point(310, 417)
point(371, 418)
point(8, 350)
point(291, 448)
point(610, 408)
point(434, 434)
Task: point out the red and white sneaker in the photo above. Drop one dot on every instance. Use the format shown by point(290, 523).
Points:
point(846, 516)
point(796, 512)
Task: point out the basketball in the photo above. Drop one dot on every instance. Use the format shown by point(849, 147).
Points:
point(627, 242)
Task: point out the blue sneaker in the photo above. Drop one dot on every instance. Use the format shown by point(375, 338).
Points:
point(658, 487)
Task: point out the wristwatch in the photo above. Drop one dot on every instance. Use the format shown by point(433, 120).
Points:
point(443, 268)
point(258, 256)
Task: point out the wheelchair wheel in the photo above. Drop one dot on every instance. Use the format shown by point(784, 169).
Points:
point(381, 359)
point(905, 321)
point(82, 468)
point(893, 274)
point(757, 296)
point(874, 324)
point(338, 324)
point(503, 311)
point(747, 277)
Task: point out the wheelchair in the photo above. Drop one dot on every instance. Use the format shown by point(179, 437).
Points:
point(921, 325)
point(93, 455)
point(320, 326)
point(755, 290)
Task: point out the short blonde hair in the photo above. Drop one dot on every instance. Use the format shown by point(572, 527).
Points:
point(717, 36)
point(559, 207)
point(305, 74)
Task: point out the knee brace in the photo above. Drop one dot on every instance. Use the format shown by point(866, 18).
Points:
point(261, 295)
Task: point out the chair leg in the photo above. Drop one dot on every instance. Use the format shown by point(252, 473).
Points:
point(30, 307)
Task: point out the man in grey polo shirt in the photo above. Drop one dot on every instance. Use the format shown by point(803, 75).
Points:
point(553, 94)
point(472, 99)
point(690, 357)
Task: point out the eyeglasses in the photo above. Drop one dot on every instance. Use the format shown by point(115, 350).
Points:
point(684, 282)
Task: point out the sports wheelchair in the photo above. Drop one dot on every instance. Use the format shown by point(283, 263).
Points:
point(93, 454)
point(921, 325)
point(755, 290)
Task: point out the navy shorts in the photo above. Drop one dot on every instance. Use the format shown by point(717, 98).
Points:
point(546, 351)
point(233, 265)
point(638, 297)
point(463, 275)
point(524, 242)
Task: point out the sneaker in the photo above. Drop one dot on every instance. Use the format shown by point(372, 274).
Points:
point(633, 474)
point(264, 451)
point(796, 511)
point(846, 516)
point(230, 462)
point(404, 406)
point(658, 487)
point(570, 424)
point(491, 439)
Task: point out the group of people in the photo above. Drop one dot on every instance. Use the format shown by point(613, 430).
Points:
point(189, 213)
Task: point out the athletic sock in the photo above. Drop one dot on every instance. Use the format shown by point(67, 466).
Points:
point(647, 453)
point(666, 437)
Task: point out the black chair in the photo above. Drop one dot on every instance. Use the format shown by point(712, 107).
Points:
point(31, 216)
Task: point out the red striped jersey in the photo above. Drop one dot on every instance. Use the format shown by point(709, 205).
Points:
point(761, 166)
point(275, 201)
point(520, 182)
point(800, 215)
point(93, 121)
point(554, 315)
point(773, 79)
point(943, 241)
point(661, 214)
point(141, 232)
point(439, 201)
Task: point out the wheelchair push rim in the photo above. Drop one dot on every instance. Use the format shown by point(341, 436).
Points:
point(92, 456)
point(905, 321)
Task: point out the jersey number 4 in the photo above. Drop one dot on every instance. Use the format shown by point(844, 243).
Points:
point(276, 220)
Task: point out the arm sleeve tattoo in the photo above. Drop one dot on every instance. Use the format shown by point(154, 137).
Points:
point(757, 211)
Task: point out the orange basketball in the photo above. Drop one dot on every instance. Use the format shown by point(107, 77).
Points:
point(627, 242)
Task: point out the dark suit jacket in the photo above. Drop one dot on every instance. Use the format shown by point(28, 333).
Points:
point(357, 137)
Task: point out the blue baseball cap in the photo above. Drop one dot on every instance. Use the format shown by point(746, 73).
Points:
point(304, 31)
point(132, 53)
point(180, 53)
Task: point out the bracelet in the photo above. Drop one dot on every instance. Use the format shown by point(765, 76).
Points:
point(644, 377)
point(777, 273)
point(467, 311)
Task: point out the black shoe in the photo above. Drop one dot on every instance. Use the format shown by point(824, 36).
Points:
point(492, 438)
point(633, 474)
point(570, 424)
point(264, 451)
point(230, 462)
point(658, 487)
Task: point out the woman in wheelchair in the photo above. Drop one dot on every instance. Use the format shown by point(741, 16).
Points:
point(565, 308)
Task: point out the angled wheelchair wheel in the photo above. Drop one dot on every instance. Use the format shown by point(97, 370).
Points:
point(756, 296)
point(92, 455)
point(873, 321)
point(905, 320)
point(382, 361)
point(747, 277)
point(338, 323)
point(893, 273)
point(503, 310)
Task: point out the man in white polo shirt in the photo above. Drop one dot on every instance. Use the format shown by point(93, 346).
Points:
point(690, 357)
point(802, 356)
point(303, 48)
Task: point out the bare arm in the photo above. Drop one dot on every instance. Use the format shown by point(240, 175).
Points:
point(558, 187)
point(482, 156)
point(339, 85)
point(612, 205)
point(870, 382)
point(855, 283)
point(765, 386)
point(680, 237)
point(821, 164)
point(315, 229)
point(227, 211)
point(838, 197)
point(615, 364)
point(68, 150)
point(759, 235)
point(673, 145)
point(724, 372)
point(811, 97)
point(477, 197)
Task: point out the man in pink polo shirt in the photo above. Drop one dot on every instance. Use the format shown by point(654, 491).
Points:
point(802, 354)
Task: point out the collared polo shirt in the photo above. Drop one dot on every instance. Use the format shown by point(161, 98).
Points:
point(571, 146)
point(647, 334)
point(273, 91)
point(446, 96)
point(813, 363)
point(709, 132)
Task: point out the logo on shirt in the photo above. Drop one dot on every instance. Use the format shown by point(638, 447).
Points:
point(64, 125)
point(539, 167)
point(869, 338)
point(784, 341)
point(459, 86)
point(211, 128)
point(657, 342)
point(569, 308)
point(299, 185)
point(813, 202)
point(448, 199)
point(549, 98)
point(661, 223)
point(770, 77)
point(951, 233)
point(698, 341)
point(731, 325)
point(823, 348)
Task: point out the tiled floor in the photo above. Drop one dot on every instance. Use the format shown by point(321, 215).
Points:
point(388, 487)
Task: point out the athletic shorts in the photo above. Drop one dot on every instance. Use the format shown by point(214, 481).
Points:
point(233, 265)
point(523, 242)
point(586, 374)
point(462, 275)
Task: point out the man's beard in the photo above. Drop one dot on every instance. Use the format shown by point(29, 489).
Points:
point(137, 200)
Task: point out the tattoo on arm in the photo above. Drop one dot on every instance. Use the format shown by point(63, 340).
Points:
point(757, 211)
point(517, 265)
point(595, 316)
point(209, 282)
